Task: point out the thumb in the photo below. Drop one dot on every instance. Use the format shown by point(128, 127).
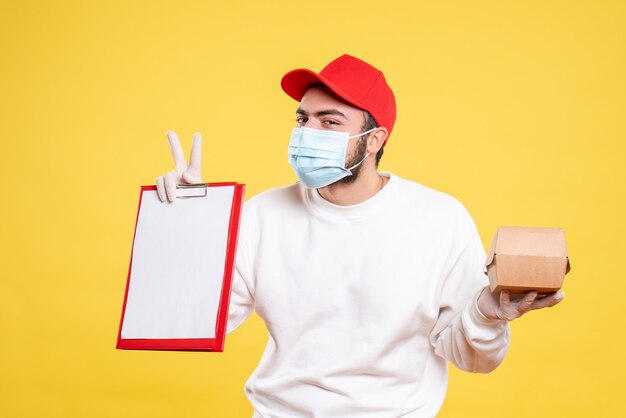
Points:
point(191, 178)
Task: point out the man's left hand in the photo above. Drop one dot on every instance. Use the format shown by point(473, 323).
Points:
point(493, 306)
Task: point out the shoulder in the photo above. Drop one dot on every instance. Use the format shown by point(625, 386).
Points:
point(419, 196)
point(438, 212)
point(277, 198)
point(274, 204)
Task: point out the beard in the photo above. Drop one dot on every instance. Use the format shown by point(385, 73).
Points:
point(358, 156)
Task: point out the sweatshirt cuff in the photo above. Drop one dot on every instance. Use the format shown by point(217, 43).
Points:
point(473, 319)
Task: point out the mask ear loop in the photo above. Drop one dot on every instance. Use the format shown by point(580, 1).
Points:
point(362, 133)
point(359, 163)
point(366, 154)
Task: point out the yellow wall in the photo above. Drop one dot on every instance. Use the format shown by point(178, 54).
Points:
point(516, 108)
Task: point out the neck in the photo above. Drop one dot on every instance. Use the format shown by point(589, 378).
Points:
point(346, 194)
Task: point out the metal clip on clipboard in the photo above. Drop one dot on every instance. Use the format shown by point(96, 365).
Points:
point(191, 190)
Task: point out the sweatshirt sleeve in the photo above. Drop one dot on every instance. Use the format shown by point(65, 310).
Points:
point(242, 292)
point(462, 335)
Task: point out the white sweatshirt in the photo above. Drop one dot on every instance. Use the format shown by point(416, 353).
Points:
point(364, 304)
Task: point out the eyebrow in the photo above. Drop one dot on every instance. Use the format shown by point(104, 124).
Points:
point(325, 112)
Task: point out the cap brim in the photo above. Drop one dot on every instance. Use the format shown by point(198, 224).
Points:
point(296, 82)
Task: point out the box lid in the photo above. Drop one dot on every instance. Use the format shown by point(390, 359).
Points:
point(528, 241)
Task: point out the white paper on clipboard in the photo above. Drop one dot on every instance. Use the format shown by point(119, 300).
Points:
point(178, 261)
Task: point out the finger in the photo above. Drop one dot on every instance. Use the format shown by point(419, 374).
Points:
point(195, 158)
point(177, 151)
point(526, 302)
point(548, 301)
point(189, 177)
point(161, 189)
point(505, 299)
point(170, 185)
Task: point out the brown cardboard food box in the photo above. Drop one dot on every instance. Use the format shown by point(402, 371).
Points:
point(525, 258)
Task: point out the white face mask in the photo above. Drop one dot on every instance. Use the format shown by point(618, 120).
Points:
point(318, 156)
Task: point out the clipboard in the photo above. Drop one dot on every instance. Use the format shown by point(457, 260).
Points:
point(181, 269)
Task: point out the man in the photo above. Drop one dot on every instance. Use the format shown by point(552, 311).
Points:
point(368, 283)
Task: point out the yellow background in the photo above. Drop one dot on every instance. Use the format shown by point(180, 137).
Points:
point(515, 108)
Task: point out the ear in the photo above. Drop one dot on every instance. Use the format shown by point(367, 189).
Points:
point(376, 140)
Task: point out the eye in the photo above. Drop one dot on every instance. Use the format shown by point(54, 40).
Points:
point(301, 119)
point(330, 122)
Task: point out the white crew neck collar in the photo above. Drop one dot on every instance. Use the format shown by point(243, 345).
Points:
point(320, 206)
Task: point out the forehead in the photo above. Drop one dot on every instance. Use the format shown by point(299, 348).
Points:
point(319, 98)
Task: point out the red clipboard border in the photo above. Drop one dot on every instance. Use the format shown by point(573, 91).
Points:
point(194, 344)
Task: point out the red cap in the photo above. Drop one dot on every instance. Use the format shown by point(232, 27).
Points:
point(355, 81)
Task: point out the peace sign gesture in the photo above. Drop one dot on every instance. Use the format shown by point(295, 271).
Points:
point(183, 174)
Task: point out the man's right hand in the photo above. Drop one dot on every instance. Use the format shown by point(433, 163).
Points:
point(184, 173)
